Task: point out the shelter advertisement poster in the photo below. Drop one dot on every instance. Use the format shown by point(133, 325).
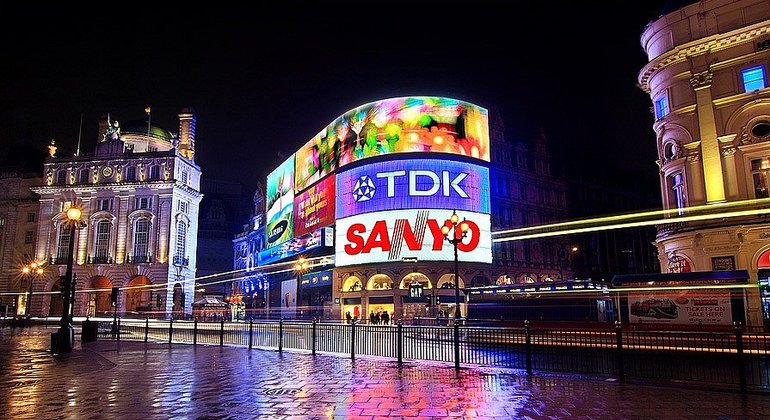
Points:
point(681, 307)
point(280, 204)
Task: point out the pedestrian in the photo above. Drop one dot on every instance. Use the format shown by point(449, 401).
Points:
point(348, 317)
point(385, 318)
point(372, 319)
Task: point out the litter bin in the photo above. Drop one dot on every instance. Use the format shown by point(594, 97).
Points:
point(90, 330)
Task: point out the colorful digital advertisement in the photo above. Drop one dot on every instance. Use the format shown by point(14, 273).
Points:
point(280, 204)
point(681, 307)
point(397, 125)
point(414, 235)
point(314, 207)
point(296, 246)
point(412, 184)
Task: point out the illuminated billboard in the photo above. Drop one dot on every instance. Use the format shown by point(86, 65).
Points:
point(280, 204)
point(314, 207)
point(412, 184)
point(397, 125)
point(296, 246)
point(396, 235)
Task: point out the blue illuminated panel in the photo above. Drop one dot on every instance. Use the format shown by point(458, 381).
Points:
point(412, 184)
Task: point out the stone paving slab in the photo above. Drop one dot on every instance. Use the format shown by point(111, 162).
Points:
point(130, 380)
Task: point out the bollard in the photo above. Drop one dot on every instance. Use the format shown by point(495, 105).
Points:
point(528, 346)
point(353, 340)
point(619, 334)
point(251, 333)
point(314, 333)
point(400, 341)
point(146, 328)
point(195, 332)
point(170, 329)
point(280, 335)
point(222, 333)
point(739, 350)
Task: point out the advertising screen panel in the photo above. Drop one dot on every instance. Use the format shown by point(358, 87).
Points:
point(409, 234)
point(681, 307)
point(319, 237)
point(412, 184)
point(397, 125)
point(280, 204)
point(314, 207)
point(317, 279)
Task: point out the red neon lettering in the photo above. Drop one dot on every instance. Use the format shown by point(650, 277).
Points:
point(411, 241)
point(378, 238)
point(474, 232)
point(356, 241)
point(438, 237)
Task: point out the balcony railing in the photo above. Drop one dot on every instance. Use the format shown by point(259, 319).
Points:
point(139, 259)
point(58, 260)
point(100, 259)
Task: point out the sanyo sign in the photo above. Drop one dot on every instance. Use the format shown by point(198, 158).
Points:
point(412, 184)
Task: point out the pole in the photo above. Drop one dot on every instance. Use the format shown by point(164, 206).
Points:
point(741, 357)
point(457, 285)
point(64, 337)
point(146, 328)
point(29, 296)
point(314, 334)
point(251, 332)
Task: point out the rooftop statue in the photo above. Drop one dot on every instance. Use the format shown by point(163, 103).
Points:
point(113, 130)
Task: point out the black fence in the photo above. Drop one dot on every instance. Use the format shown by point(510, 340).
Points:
point(735, 359)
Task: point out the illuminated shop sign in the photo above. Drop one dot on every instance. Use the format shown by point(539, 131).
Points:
point(696, 307)
point(317, 279)
point(397, 125)
point(314, 207)
point(413, 184)
point(280, 204)
point(296, 246)
point(396, 234)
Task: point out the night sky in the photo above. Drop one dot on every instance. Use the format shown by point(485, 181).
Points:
point(265, 82)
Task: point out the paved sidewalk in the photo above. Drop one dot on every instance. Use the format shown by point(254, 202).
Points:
point(130, 380)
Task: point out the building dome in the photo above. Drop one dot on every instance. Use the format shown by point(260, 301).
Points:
point(139, 128)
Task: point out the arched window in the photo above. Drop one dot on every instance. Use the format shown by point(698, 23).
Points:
point(141, 240)
point(62, 244)
point(102, 241)
point(181, 242)
point(61, 176)
point(155, 172)
point(84, 176)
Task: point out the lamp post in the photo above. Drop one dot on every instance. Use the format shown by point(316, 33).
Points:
point(32, 270)
point(456, 238)
point(62, 340)
point(300, 267)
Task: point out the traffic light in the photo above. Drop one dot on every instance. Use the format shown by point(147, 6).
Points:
point(114, 296)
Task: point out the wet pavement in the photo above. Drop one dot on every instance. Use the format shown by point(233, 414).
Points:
point(130, 380)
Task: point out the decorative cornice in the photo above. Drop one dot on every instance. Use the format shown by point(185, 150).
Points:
point(729, 151)
point(697, 47)
point(693, 157)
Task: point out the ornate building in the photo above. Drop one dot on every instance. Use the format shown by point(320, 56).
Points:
point(251, 287)
point(139, 192)
point(18, 223)
point(707, 78)
point(524, 192)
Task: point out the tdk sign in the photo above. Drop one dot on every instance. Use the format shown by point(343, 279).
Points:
point(412, 184)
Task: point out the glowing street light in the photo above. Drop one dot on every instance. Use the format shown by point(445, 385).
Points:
point(32, 271)
point(301, 266)
point(450, 232)
point(62, 340)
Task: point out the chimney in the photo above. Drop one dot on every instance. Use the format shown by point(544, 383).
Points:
point(103, 126)
point(186, 142)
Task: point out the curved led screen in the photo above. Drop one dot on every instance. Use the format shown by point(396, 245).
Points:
point(422, 183)
point(280, 204)
point(314, 207)
point(398, 125)
point(396, 235)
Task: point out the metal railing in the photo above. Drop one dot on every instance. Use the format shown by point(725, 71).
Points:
point(737, 358)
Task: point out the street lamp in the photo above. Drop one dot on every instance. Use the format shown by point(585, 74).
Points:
point(300, 267)
point(31, 271)
point(62, 340)
point(456, 239)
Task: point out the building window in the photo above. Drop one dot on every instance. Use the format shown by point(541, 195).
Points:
point(141, 239)
point(183, 206)
point(104, 204)
point(62, 246)
point(185, 176)
point(28, 237)
point(155, 172)
point(61, 176)
point(181, 241)
point(753, 78)
point(760, 168)
point(677, 185)
point(143, 203)
point(661, 107)
point(83, 176)
point(130, 173)
point(102, 242)
point(31, 216)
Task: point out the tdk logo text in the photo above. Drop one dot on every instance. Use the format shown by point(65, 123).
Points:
point(422, 183)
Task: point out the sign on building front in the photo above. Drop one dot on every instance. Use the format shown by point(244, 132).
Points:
point(681, 307)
